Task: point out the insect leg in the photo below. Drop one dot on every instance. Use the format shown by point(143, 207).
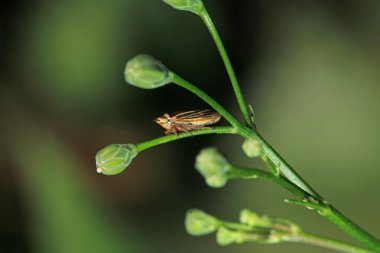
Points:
point(185, 128)
point(174, 129)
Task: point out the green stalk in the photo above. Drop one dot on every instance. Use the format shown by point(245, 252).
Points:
point(296, 184)
point(247, 133)
point(209, 100)
point(227, 63)
point(329, 212)
point(269, 151)
point(324, 242)
point(239, 172)
point(337, 218)
point(278, 161)
point(333, 215)
point(325, 209)
point(173, 137)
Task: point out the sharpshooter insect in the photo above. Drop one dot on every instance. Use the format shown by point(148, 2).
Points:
point(187, 121)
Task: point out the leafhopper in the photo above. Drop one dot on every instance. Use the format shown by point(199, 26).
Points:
point(187, 121)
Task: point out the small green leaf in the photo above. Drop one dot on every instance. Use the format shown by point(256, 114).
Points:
point(195, 6)
point(115, 158)
point(144, 71)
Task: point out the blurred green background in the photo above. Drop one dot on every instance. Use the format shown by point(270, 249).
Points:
point(310, 68)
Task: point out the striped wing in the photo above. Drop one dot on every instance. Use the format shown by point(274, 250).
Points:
point(196, 117)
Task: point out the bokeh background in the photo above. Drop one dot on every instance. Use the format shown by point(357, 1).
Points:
point(309, 68)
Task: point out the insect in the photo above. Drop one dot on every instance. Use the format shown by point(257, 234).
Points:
point(187, 121)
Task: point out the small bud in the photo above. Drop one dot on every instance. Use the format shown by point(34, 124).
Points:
point(199, 223)
point(251, 147)
point(252, 219)
point(249, 218)
point(146, 72)
point(226, 237)
point(195, 6)
point(213, 167)
point(115, 158)
point(273, 238)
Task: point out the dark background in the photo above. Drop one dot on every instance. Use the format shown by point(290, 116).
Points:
point(309, 68)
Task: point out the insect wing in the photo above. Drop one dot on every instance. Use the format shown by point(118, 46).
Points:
point(196, 117)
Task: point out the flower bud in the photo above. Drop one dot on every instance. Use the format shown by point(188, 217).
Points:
point(115, 158)
point(146, 72)
point(252, 219)
point(213, 166)
point(226, 237)
point(199, 223)
point(195, 6)
point(251, 147)
point(249, 218)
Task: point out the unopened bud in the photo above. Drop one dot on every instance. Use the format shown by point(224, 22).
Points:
point(213, 167)
point(252, 219)
point(226, 237)
point(115, 158)
point(199, 223)
point(251, 147)
point(146, 72)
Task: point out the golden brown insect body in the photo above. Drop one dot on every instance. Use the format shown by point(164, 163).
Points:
point(187, 121)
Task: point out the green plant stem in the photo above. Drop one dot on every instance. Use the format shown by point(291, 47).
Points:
point(331, 213)
point(337, 218)
point(227, 63)
point(270, 152)
point(209, 100)
point(289, 235)
point(304, 203)
point(324, 208)
point(324, 242)
point(299, 237)
point(247, 133)
point(239, 172)
point(173, 137)
point(278, 161)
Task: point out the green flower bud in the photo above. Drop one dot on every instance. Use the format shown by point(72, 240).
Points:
point(252, 219)
point(146, 72)
point(199, 223)
point(115, 158)
point(249, 218)
point(251, 147)
point(213, 166)
point(226, 237)
point(273, 238)
point(195, 6)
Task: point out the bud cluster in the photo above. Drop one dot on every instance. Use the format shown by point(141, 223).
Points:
point(252, 228)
